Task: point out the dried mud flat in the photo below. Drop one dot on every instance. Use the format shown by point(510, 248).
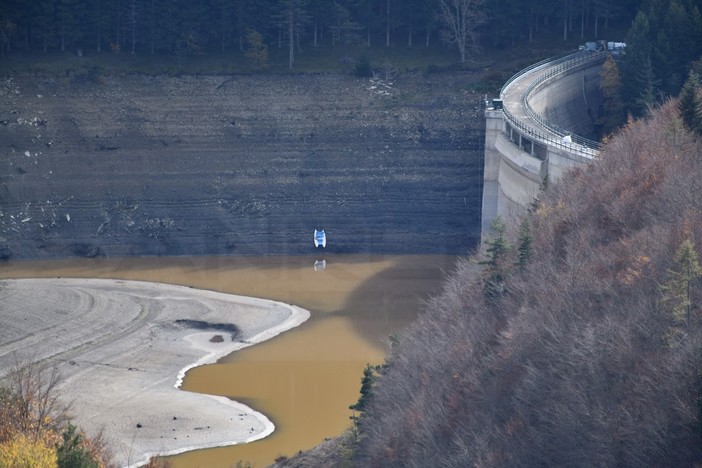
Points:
point(122, 348)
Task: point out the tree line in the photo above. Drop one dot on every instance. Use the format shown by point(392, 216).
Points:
point(186, 27)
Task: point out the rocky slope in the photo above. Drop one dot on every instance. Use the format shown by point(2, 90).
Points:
point(242, 165)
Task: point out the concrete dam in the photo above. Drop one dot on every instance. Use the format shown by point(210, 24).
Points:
point(539, 128)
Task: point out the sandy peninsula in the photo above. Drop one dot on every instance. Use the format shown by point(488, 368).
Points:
point(122, 348)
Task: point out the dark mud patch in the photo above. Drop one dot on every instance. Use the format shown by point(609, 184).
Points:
point(230, 328)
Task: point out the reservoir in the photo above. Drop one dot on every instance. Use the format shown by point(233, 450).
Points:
point(305, 379)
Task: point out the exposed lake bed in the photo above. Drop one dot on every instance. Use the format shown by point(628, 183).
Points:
point(238, 165)
point(304, 379)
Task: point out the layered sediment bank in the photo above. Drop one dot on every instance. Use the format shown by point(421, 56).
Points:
point(136, 165)
point(122, 348)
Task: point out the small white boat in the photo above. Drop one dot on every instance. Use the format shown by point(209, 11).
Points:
point(320, 238)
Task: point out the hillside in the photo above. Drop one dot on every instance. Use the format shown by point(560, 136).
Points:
point(584, 361)
point(592, 355)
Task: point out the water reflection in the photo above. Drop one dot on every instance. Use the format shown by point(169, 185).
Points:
point(304, 379)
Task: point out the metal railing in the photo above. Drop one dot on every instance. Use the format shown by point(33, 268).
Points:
point(532, 67)
point(564, 140)
point(547, 139)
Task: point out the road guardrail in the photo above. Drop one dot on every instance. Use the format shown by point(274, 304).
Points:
point(558, 137)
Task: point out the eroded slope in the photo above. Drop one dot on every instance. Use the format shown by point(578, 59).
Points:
point(140, 165)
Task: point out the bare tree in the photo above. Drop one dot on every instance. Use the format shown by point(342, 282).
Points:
point(132, 15)
point(569, 366)
point(462, 19)
point(293, 16)
point(387, 24)
point(32, 407)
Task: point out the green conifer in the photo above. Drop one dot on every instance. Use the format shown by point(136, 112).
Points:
point(677, 290)
point(496, 266)
point(612, 105)
point(525, 241)
point(690, 103)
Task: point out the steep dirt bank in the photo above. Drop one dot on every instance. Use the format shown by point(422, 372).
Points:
point(242, 165)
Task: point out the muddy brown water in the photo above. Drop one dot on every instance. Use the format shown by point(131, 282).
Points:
point(304, 379)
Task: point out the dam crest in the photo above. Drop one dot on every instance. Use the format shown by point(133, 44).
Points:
point(539, 128)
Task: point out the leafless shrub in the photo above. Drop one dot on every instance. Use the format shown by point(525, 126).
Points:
point(30, 404)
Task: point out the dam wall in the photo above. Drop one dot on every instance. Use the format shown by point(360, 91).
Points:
point(538, 130)
point(570, 100)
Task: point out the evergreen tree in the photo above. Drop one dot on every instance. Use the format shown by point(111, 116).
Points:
point(98, 20)
point(690, 103)
point(241, 22)
point(637, 74)
point(155, 34)
point(370, 375)
point(410, 20)
point(345, 30)
point(646, 85)
point(612, 114)
point(673, 47)
point(512, 16)
point(496, 262)
point(677, 290)
point(525, 241)
point(71, 452)
point(665, 37)
point(42, 23)
point(10, 18)
point(69, 15)
point(7, 30)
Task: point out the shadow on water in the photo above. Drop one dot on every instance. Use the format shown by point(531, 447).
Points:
point(393, 297)
point(305, 379)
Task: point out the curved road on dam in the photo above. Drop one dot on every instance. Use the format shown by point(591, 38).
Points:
point(518, 94)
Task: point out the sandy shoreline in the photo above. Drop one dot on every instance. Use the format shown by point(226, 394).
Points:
point(122, 350)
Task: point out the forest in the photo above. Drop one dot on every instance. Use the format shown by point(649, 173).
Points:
point(663, 37)
point(190, 28)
